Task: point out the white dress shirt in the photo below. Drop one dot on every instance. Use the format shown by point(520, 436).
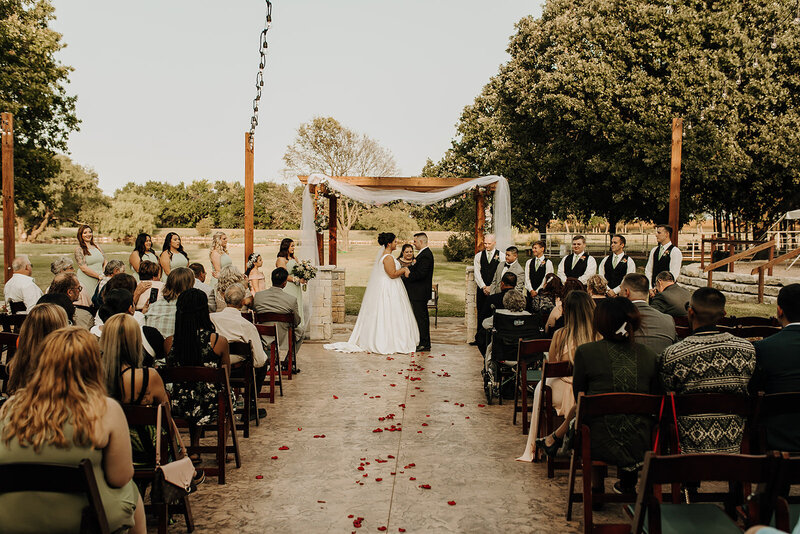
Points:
point(591, 268)
point(230, 324)
point(479, 281)
point(22, 288)
point(548, 269)
point(675, 261)
point(610, 261)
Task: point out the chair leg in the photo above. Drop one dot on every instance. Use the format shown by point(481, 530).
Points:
point(573, 467)
point(163, 518)
point(222, 419)
point(237, 457)
point(187, 514)
point(524, 393)
point(516, 392)
point(253, 396)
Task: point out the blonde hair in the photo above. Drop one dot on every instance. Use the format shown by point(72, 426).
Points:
point(216, 241)
point(597, 285)
point(66, 387)
point(577, 329)
point(228, 276)
point(120, 344)
point(41, 320)
point(178, 280)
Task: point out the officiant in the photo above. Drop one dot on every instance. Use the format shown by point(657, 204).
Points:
point(485, 263)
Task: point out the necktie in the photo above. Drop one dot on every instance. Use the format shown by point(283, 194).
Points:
point(614, 262)
point(660, 251)
point(574, 260)
point(537, 264)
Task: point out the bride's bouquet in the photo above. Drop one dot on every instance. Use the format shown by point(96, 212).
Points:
point(305, 270)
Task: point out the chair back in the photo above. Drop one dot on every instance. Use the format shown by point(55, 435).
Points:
point(56, 478)
point(682, 331)
point(17, 307)
point(192, 374)
point(270, 317)
point(12, 323)
point(434, 295)
point(556, 370)
point(511, 328)
point(756, 332)
point(755, 321)
point(726, 328)
point(241, 348)
point(8, 344)
point(248, 315)
point(617, 403)
point(689, 404)
point(531, 347)
point(681, 321)
point(143, 416)
point(266, 329)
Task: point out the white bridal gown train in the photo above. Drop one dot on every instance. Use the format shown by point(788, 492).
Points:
point(385, 323)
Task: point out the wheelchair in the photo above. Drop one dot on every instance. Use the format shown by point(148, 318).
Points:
point(500, 366)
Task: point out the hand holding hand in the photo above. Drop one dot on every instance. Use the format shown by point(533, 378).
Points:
point(610, 293)
point(487, 290)
point(406, 271)
point(653, 292)
point(533, 293)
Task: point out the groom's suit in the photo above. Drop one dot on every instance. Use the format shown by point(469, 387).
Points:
point(419, 285)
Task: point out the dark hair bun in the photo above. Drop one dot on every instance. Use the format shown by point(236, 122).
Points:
point(385, 238)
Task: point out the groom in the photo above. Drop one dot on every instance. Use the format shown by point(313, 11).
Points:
point(419, 285)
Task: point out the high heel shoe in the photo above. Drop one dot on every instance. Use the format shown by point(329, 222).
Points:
point(549, 450)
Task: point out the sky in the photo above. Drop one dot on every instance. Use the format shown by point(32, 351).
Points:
point(165, 88)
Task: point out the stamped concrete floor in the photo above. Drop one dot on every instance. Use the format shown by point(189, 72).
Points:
point(450, 469)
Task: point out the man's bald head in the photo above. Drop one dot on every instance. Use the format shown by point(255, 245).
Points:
point(489, 242)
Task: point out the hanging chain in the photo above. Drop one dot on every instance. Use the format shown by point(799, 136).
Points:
point(262, 50)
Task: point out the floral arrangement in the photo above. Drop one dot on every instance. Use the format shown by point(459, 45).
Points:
point(305, 270)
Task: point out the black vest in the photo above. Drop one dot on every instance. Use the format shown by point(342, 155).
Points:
point(488, 268)
point(580, 265)
point(614, 275)
point(660, 264)
point(535, 276)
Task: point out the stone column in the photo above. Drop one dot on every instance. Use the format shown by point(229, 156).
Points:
point(470, 313)
point(337, 295)
point(321, 325)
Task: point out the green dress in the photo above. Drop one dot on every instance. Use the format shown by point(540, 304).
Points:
point(25, 512)
point(147, 256)
point(94, 261)
point(177, 260)
point(224, 260)
point(295, 290)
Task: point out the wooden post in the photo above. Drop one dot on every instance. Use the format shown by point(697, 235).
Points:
point(9, 236)
point(320, 246)
point(675, 179)
point(332, 230)
point(703, 251)
point(761, 286)
point(480, 220)
point(771, 257)
point(249, 194)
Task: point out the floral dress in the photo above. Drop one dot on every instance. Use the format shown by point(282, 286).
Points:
point(197, 403)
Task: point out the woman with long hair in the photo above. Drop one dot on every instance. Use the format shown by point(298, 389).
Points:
point(577, 330)
point(228, 276)
point(253, 273)
point(219, 253)
point(406, 257)
point(556, 318)
point(142, 251)
point(597, 287)
point(287, 260)
point(41, 320)
point(63, 416)
point(172, 255)
point(90, 260)
point(545, 300)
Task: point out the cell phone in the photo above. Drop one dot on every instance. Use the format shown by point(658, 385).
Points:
point(153, 295)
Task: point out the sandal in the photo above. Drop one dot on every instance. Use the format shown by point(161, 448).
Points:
point(550, 450)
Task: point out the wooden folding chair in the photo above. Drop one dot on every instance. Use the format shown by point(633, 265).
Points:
point(752, 321)
point(777, 408)
point(681, 321)
point(787, 507)
point(217, 376)
point(17, 307)
point(288, 318)
point(433, 304)
point(8, 345)
point(58, 478)
point(144, 416)
point(682, 331)
point(756, 332)
point(274, 361)
point(529, 353)
point(548, 419)
point(592, 406)
point(249, 316)
point(12, 323)
point(244, 380)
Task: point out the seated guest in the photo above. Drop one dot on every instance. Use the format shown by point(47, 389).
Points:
point(121, 301)
point(615, 364)
point(68, 284)
point(275, 300)
point(536, 269)
point(670, 298)
point(63, 302)
point(228, 276)
point(708, 361)
point(597, 287)
point(149, 279)
point(21, 287)
point(778, 369)
point(556, 319)
point(200, 283)
point(161, 314)
point(658, 329)
point(511, 265)
point(128, 283)
point(406, 257)
point(42, 319)
point(62, 265)
point(79, 422)
point(513, 305)
point(615, 266)
point(579, 264)
point(113, 267)
point(545, 300)
point(577, 330)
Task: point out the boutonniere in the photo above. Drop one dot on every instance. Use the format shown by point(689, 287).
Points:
point(624, 260)
point(666, 253)
point(582, 258)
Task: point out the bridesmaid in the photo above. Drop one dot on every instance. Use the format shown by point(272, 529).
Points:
point(254, 274)
point(90, 260)
point(287, 260)
point(219, 253)
point(142, 251)
point(172, 255)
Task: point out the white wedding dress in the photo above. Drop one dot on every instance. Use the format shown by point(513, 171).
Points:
point(385, 323)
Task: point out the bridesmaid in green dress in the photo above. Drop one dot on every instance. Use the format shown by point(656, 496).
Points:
point(172, 255)
point(287, 260)
point(219, 254)
point(90, 260)
point(142, 251)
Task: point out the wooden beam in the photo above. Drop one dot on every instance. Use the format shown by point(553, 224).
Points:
point(415, 183)
point(249, 194)
point(9, 234)
point(770, 264)
point(739, 256)
point(332, 230)
point(675, 179)
point(480, 220)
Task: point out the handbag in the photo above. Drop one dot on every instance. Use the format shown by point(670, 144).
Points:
point(174, 480)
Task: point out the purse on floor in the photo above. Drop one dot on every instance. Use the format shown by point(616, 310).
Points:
point(174, 480)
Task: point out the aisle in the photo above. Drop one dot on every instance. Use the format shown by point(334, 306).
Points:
point(404, 443)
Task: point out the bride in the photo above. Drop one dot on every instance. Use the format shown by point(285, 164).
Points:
point(385, 323)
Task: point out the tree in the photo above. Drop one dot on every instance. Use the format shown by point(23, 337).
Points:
point(33, 88)
point(130, 214)
point(325, 146)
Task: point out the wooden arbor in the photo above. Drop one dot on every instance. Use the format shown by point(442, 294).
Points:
point(423, 185)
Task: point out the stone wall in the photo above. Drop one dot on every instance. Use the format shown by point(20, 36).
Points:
point(328, 302)
point(470, 313)
point(337, 295)
point(742, 286)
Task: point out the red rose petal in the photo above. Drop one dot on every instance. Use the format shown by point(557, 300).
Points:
point(360, 468)
point(382, 529)
point(321, 502)
point(299, 429)
point(451, 503)
point(419, 431)
point(481, 405)
point(335, 397)
point(467, 417)
point(401, 530)
point(412, 478)
point(259, 477)
point(350, 516)
point(274, 457)
point(378, 479)
point(365, 475)
point(283, 448)
point(425, 486)
point(424, 424)
point(390, 456)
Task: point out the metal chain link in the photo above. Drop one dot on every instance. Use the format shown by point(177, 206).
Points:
point(262, 50)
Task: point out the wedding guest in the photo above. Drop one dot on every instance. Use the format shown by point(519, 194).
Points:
point(149, 279)
point(657, 330)
point(161, 314)
point(536, 269)
point(90, 260)
point(670, 298)
point(112, 268)
point(556, 318)
point(62, 264)
point(275, 300)
point(485, 266)
point(577, 330)
point(228, 276)
point(663, 257)
point(21, 287)
point(511, 265)
point(41, 320)
point(597, 287)
point(545, 300)
point(67, 284)
point(219, 253)
point(778, 370)
point(120, 301)
point(142, 251)
point(579, 264)
point(200, 283)
point(79, 422)
point(708, 361)
point(406, 257)
point(615, 266)
point(63, 302)
point(513, 305)
point(287, 261)
point(254, 274)
point(172, 255)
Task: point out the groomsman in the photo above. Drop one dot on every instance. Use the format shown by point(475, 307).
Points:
point(578, 264)
point(536, 269)
point(664, 257)
point(511, 266)
point(614, 267)
point(486, 263)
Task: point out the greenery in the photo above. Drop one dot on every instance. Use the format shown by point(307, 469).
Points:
point(395, 218)
point(129, 214)
point(204, 226)
point(460, 247)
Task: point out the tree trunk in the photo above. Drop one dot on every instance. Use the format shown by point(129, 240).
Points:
point(41, 227)
point(612, 226)
point(21, 235)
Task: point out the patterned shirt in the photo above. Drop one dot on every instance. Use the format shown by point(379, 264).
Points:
point(709, 362)
point(161, 316)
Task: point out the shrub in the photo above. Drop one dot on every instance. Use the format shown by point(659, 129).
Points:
point(460, 247)
point(204, 226)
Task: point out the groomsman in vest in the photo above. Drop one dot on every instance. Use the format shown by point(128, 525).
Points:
point(536, 269)
point(614, 267)
point(578, 264)
point(664, 257)
point(510, 266)
point(486, 263)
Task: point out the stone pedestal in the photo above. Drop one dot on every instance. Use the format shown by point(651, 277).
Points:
point(470, 313)
point(337, 294)
point(321, 325)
